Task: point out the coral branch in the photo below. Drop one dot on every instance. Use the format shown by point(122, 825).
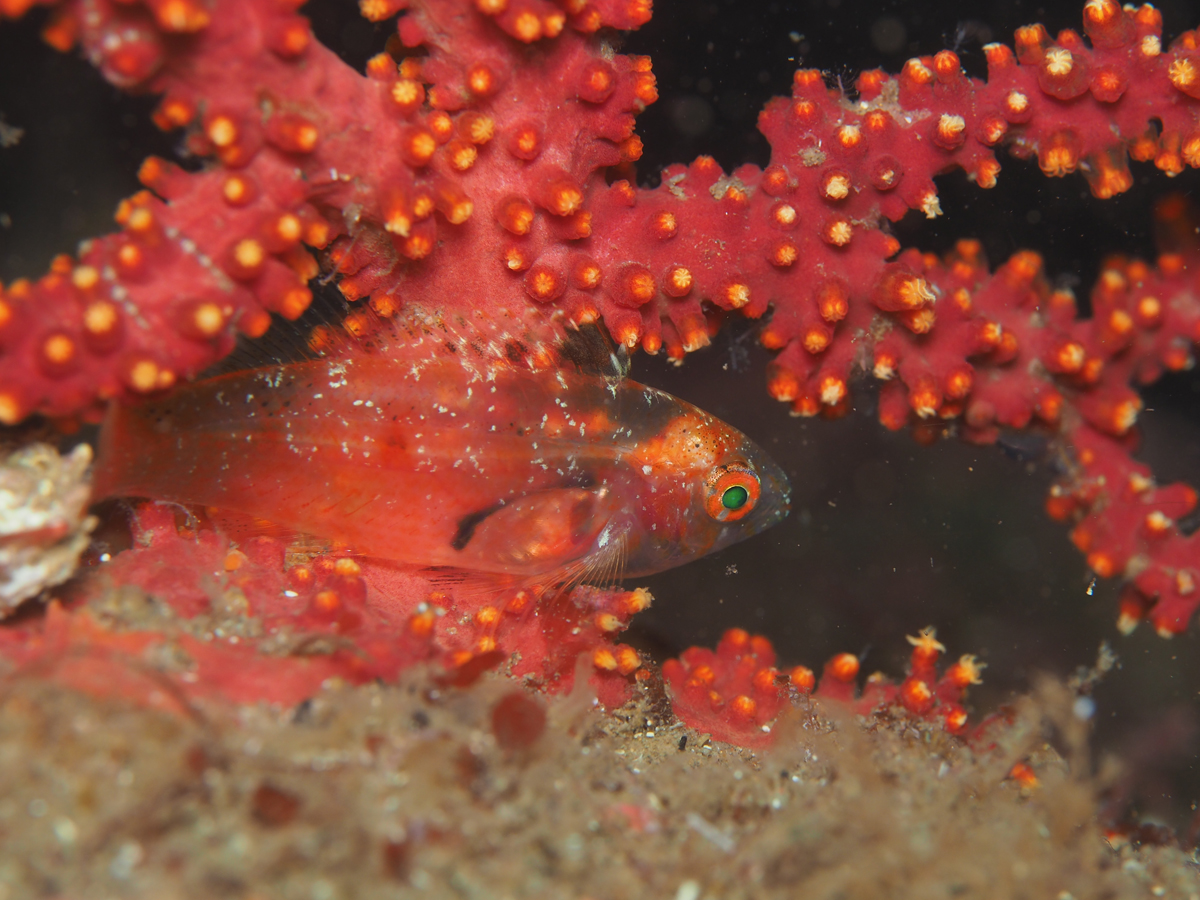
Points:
point(735, 694)
point(381, 170)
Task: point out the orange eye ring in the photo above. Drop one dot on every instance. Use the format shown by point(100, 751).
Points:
point(731, 491)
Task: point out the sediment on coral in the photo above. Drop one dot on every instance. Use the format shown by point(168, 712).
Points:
point(360, 792)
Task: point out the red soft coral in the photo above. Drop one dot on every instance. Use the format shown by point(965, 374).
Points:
point(249, 624)
point(735, 694)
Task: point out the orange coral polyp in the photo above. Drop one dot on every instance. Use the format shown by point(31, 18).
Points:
point(481, 80)
point(418, 147)
point(837, 231)
point(844, 667)
point(562, 198)
point(784, 254)
point(736, 294)
point(817, 338)
point(664, 225)
point(59, 354)
point(784, 215)
point(636, 287)
point(407, 95)
point(544, 284)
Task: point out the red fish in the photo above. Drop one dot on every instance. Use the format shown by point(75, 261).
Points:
point(553, 475)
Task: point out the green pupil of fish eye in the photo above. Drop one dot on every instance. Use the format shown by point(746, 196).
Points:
point(734, 497)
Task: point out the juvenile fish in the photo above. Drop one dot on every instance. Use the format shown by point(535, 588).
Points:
point(557, 475)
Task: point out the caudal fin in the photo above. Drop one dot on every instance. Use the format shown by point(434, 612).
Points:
point(123, 454)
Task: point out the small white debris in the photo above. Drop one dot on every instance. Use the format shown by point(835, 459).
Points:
point(710, 832)
point(1083, 708)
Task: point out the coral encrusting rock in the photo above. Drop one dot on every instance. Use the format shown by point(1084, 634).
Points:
point(269, 621)
point(491, 791)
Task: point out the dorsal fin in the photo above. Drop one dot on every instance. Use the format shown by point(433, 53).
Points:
point(288, 341)
point(591, 349)
point(332, 327)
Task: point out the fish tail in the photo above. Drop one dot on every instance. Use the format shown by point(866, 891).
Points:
point(123, 455)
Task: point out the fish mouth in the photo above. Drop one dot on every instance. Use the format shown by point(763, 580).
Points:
point(780, 488)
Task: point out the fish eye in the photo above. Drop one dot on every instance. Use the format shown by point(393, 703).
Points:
point(731, 491)
point(735, 497)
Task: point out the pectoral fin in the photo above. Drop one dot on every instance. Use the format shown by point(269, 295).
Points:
point(535, 534)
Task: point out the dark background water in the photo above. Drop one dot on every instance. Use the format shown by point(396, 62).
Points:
point(886, 536)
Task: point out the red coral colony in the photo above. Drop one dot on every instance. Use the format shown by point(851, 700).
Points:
point(483, 163)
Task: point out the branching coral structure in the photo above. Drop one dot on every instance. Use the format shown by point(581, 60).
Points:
point(736, 693)
point(467, 169)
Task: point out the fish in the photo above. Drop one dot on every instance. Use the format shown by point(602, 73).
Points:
point(441, 460)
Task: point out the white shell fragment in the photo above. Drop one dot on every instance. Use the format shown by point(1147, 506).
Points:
point(44, 525)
